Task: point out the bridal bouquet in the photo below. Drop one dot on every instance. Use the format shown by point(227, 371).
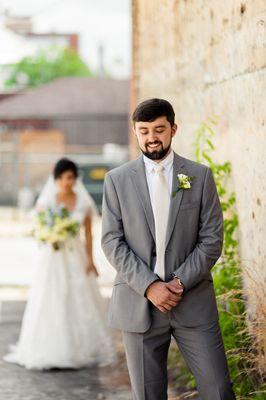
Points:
point(55, 227)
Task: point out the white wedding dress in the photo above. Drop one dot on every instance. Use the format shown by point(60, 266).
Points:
point(64, 324)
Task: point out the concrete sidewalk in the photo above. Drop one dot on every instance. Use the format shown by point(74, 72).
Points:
point(17, 383)
point(105, 383)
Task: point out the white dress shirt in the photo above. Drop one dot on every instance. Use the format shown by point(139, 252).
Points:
point(167, 162)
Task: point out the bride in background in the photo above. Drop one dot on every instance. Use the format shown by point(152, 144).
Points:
point(64, 323)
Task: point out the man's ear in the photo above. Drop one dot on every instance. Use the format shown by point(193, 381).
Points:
point(174, 130)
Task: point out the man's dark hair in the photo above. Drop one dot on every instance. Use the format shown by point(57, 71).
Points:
point(64, 165)
point(150, 109)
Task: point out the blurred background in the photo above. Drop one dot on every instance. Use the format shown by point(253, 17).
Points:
point(71, 72)
point(64, 90)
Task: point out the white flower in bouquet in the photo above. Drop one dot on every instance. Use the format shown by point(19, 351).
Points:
point(55, 227)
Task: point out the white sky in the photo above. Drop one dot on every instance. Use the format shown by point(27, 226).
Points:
point(106, 22)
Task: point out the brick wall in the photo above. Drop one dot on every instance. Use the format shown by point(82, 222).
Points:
point(208, 58)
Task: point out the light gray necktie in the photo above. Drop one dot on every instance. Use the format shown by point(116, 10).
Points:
point(161, 203)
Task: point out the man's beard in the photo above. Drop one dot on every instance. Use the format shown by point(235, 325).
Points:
point(157, 154)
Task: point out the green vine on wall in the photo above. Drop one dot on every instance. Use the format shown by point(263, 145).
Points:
point(227, 273)
point(227, 281)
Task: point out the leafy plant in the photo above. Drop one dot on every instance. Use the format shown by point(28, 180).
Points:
point(228, 282)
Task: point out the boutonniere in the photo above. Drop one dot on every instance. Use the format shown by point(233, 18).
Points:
point(184, 183)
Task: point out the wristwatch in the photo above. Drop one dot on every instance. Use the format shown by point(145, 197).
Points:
point(178, 279)
point(180, 283)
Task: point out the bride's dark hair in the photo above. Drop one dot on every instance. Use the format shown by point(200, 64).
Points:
point(63, 165)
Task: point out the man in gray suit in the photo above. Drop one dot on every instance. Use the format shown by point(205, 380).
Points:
point(162, 230)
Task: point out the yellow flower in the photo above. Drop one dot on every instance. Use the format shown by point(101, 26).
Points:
point(60, 230)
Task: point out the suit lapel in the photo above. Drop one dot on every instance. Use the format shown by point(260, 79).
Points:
point(139, 179)
point(138, 175)
point(178, 168)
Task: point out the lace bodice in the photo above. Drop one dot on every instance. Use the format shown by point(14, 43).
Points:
point(85, 204)
point(80, 211)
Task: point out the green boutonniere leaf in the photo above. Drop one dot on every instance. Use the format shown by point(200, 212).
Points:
point(184, 183)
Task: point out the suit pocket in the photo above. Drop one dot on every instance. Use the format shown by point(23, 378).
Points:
point(128, 310)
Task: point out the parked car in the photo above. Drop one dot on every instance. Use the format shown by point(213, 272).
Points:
point(92, 175)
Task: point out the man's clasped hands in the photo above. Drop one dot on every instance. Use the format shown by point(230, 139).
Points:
point(165, 295)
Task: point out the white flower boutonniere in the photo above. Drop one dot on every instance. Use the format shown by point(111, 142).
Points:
point(184, 183)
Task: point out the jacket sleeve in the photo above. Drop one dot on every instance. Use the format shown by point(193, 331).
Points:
point(210, 237)
point(130, 267)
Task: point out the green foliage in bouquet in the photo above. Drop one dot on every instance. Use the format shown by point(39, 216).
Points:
point(55, 227)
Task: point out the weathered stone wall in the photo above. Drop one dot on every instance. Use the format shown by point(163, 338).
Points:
point(209, 58)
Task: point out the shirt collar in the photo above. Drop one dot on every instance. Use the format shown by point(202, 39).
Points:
point(167, 162)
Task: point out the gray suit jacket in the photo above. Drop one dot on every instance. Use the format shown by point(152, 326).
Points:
point(193, 243)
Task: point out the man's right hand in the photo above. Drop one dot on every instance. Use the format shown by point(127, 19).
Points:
point(160, 294)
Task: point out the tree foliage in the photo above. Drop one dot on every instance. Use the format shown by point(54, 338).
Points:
point(45, 66)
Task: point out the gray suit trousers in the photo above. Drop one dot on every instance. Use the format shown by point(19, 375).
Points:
point(202, 348)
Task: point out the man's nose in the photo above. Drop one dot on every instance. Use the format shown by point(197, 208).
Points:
point(152, 137)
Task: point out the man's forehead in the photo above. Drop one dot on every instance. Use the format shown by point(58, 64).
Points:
point(160, 121)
